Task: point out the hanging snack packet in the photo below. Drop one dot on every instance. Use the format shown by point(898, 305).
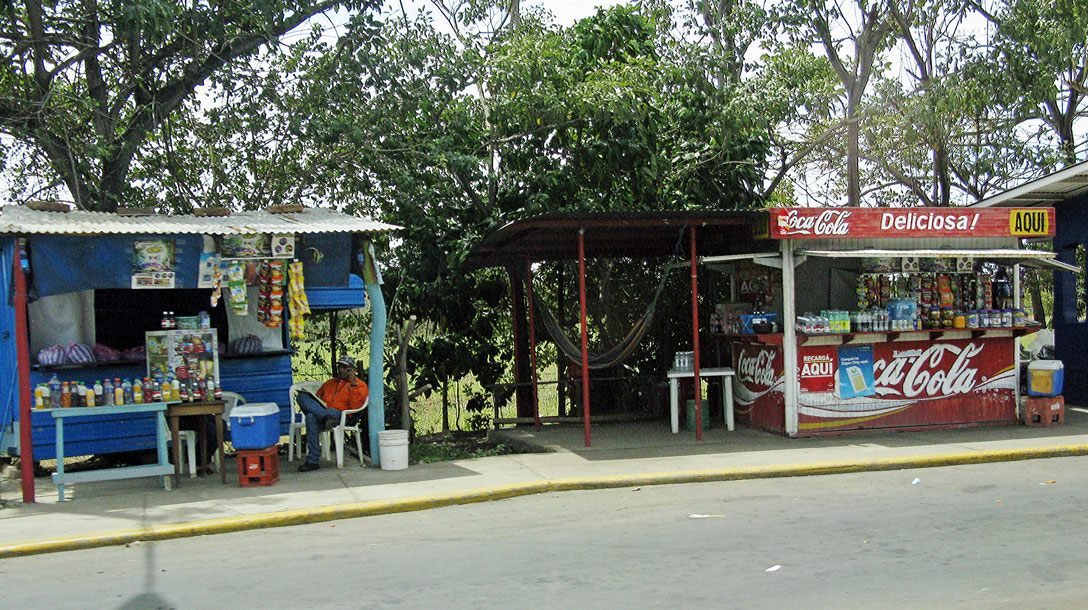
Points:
point(236, 287)
point(297, 300)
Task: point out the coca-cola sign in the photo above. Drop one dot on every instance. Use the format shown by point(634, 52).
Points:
point(756, 368)
point(932, 370)
point(852, 223)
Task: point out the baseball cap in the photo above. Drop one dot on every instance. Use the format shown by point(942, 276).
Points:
point(348, 360)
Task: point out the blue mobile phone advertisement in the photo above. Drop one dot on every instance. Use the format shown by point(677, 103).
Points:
point(856, 371)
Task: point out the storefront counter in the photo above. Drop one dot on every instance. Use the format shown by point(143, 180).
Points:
point(892, 380)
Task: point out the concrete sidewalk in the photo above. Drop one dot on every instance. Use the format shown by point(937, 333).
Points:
point(621, 455)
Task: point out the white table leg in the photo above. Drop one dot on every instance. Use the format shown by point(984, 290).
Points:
point(727, 382)
point(674, 400)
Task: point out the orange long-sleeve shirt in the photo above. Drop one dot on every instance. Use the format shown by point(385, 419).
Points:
point(343, 395)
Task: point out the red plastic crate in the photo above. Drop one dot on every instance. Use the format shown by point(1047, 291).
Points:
point(1044, 411)
point(258, 467)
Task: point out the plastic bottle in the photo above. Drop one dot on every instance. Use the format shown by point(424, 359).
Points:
point(53, 401)
point(165, 322)
point(138, 392)
point(218, 392)
point(65, 395)
point(99, 393)
point(39, 396)
point(107, 395)
point(90, 398)
point(126, 392)
point(183, 393)
point(118, 391)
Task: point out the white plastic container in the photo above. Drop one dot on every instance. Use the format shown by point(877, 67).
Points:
point(1045, 377)
point(393, 449)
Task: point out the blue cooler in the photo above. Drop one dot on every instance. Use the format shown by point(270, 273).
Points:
point(255, 425)
point(1045, 377)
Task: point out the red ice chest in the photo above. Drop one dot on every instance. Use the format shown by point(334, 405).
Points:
point(1044, 411)
point(259, 467)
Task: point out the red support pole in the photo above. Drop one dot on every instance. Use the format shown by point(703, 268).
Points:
point(695, 340)
point(22, 351)
point(532, 337)
point(585, 331)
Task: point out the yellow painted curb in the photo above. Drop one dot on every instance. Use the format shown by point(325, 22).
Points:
point(484, 494)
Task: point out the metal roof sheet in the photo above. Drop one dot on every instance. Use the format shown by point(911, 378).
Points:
point(1060, 186)
point(22, 220)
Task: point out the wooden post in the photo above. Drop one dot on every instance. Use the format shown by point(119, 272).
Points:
point(22, 351)
point(695, 339)
point(585, 330)
point(532, 339)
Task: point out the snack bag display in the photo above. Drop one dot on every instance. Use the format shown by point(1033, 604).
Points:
point(270, 297)
point(298, 302)
point(236, 287)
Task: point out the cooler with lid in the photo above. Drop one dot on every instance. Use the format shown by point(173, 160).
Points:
point(1045, 377)
point(255, 425)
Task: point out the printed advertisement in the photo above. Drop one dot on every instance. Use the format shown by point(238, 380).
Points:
point(856, 371)
point(852, 223)
point(153, 263)
point(818, 370)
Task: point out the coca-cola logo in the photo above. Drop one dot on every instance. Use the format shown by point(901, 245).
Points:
point(757, 369)
point(827, 222)
point(941, 369)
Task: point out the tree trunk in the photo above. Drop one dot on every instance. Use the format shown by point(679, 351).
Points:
point(402, 375)
point(524, 392)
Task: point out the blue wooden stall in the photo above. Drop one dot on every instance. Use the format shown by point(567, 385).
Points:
point(76, 251)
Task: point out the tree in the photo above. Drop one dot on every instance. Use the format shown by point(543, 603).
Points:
point(84, 83)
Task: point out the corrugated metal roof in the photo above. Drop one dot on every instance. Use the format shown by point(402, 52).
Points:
point(23, 220)
point(1046, 191)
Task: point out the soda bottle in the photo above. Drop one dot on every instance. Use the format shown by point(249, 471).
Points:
point(218, 392)
point(65, 395)
point(165, 323)
point(107, 394)
point(138, 392)
point(156, 391)
point(183, 393)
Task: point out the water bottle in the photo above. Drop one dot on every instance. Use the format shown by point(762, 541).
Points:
point(54, 393)
point(127, 392)
point(107, 393)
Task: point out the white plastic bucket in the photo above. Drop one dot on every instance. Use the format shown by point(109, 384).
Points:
point(393, 449)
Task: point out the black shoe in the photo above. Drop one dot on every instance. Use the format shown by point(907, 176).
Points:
point(308, 466)
point(331, 421)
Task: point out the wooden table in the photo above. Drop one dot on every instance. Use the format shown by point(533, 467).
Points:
point(176, 410)
point(60, 478)
point(726, 375)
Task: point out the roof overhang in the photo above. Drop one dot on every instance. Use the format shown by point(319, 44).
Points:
point(1043, 192)
point(20, 220)
point(615, 235)
point(1010, 256)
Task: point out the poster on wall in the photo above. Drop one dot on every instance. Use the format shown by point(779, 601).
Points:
point(856, 371)
point(818, 370)
point(153, 263)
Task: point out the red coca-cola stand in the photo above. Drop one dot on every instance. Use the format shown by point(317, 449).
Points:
point(812, 384)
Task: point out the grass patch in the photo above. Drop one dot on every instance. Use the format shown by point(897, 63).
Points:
point(459, 445)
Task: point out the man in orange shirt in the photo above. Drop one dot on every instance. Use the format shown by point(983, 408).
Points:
point(345, 392)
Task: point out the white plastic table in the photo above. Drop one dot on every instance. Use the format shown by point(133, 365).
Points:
point(727, 392)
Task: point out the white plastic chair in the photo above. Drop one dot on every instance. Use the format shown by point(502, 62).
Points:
point(187, 438)
point(298, 424)
point(298, 421)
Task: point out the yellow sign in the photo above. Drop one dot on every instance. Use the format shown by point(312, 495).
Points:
point(1028, 222)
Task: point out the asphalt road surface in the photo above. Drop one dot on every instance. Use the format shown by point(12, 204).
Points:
point(983, 536)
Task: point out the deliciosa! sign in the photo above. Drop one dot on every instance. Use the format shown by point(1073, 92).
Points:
point(855, 223)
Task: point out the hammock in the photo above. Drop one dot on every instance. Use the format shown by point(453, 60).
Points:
point(619, 352)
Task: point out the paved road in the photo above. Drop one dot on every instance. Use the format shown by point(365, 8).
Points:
point(982, 536)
